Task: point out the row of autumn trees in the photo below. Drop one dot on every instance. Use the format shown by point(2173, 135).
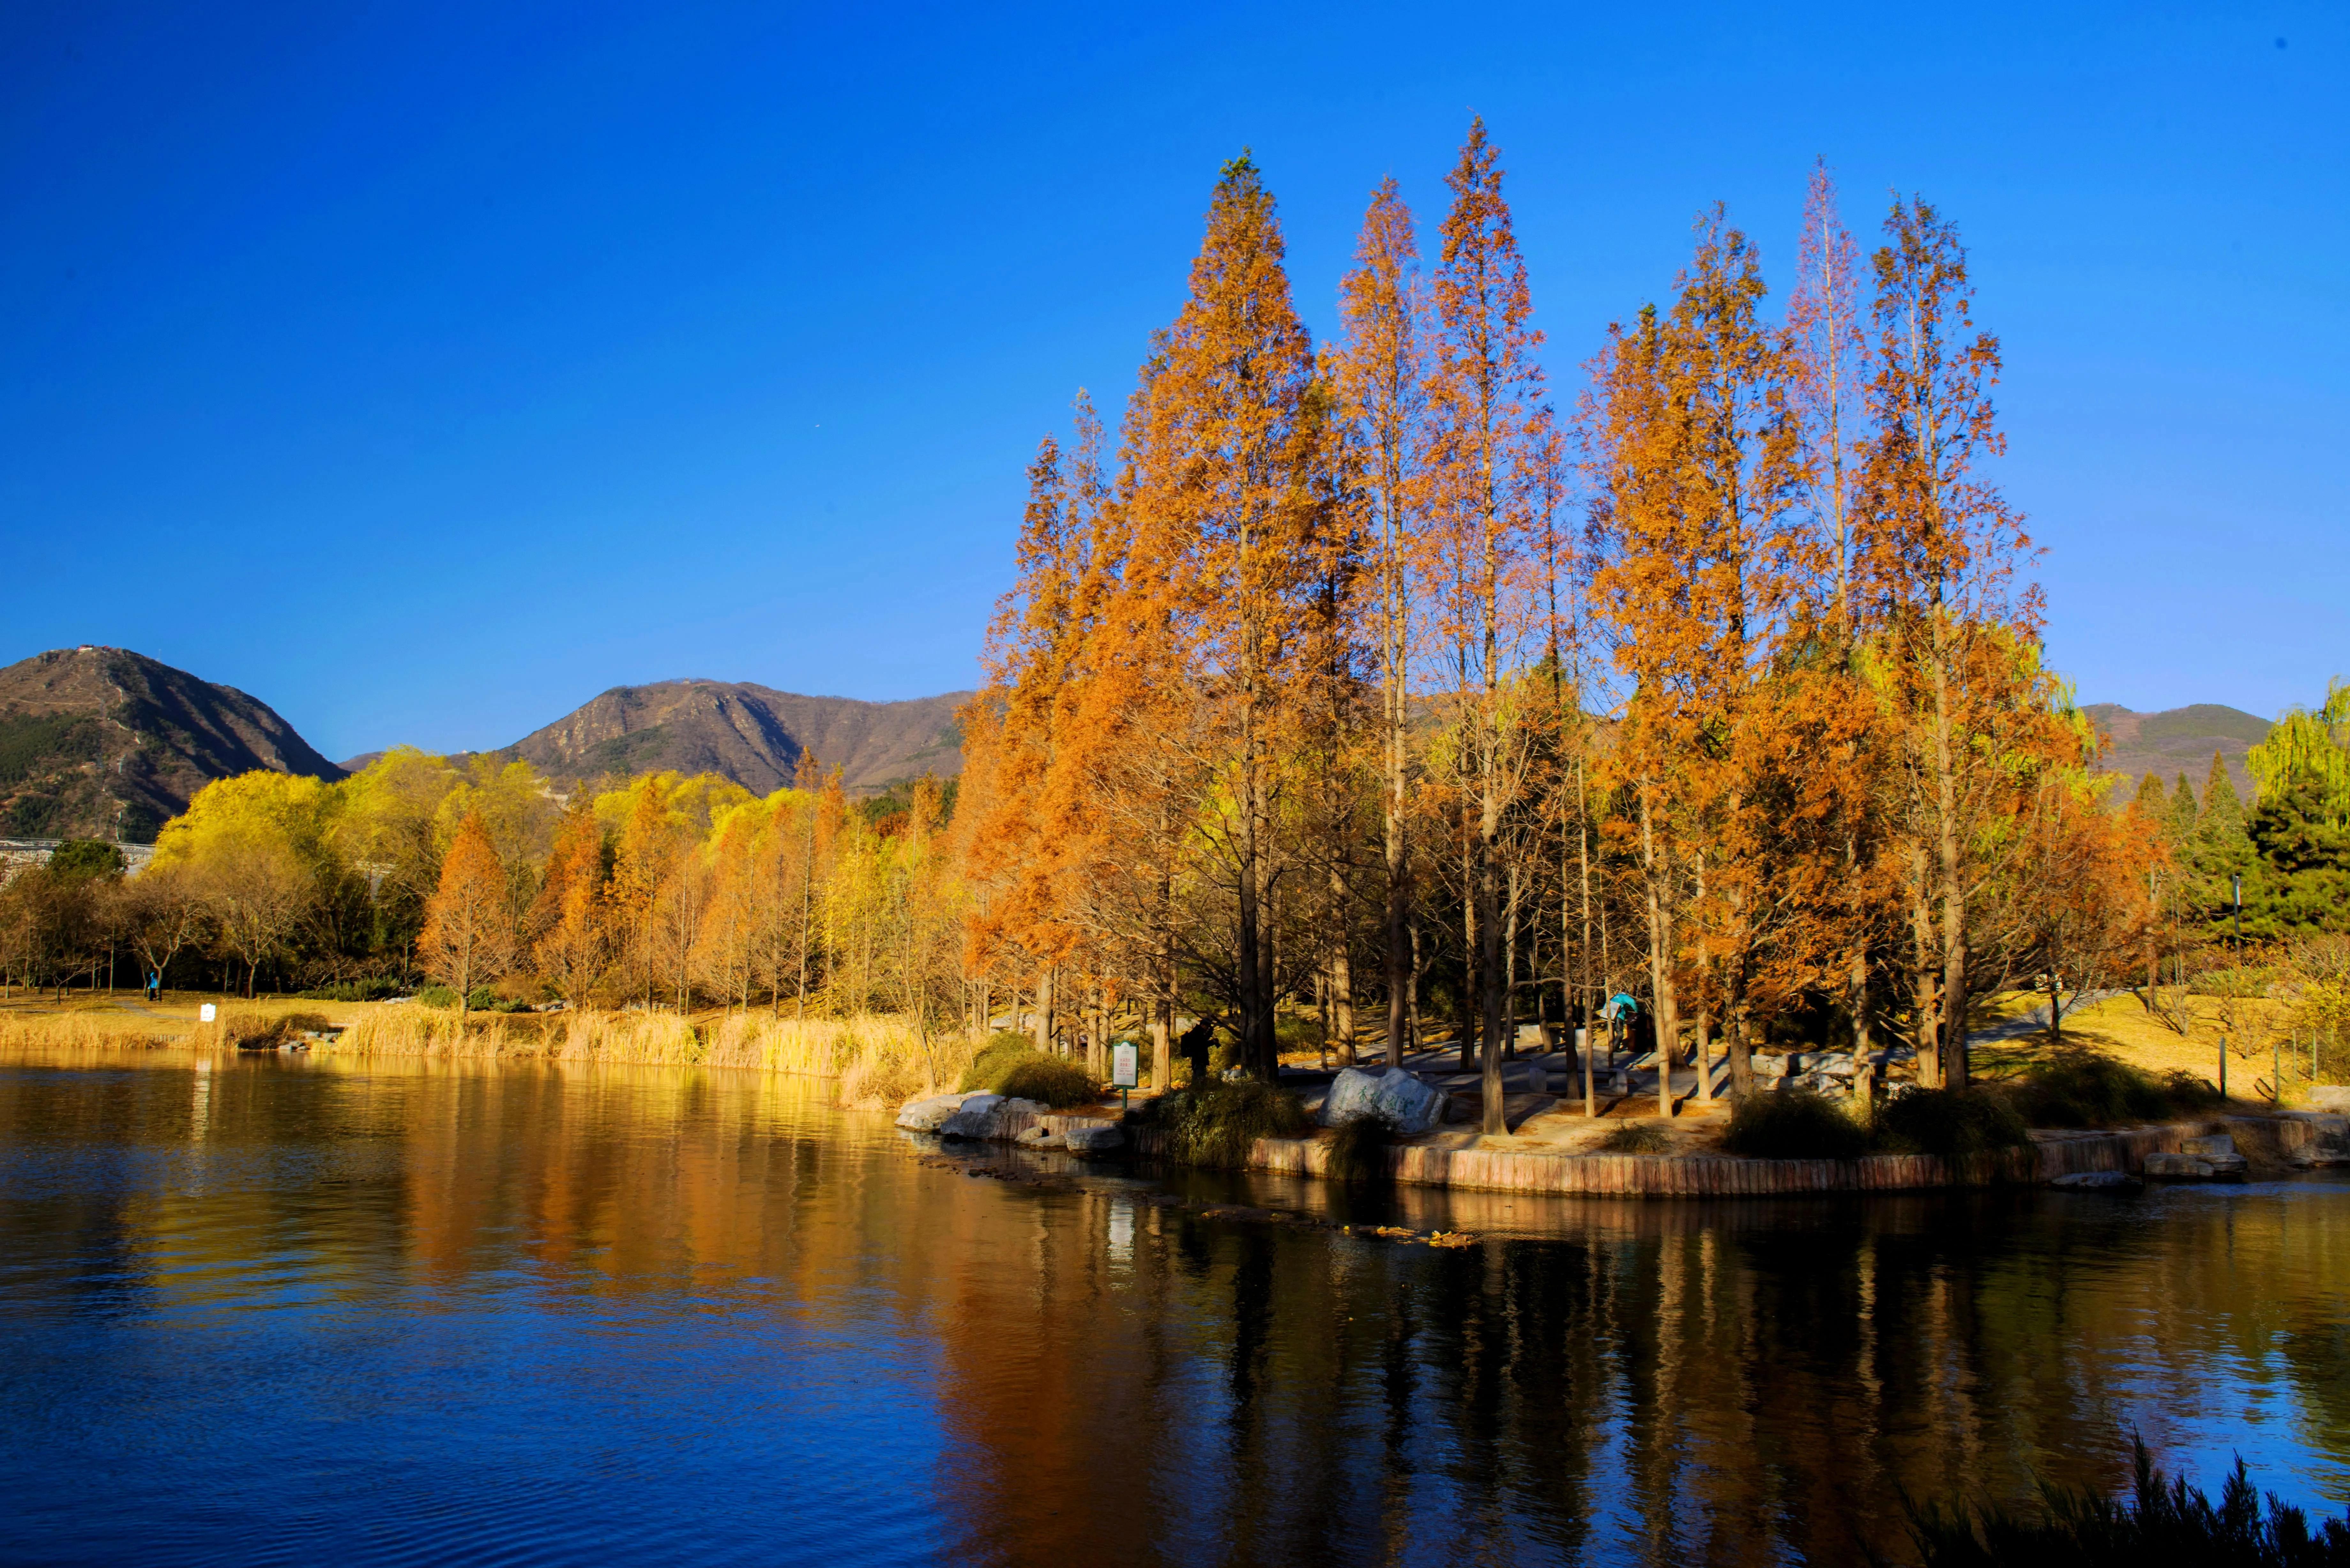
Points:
point(1384, 675)
point(659, 890)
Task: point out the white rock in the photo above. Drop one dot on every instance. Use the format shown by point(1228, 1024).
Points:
point(1099, 1138)
point(1040, 1137)
point(2205, 1147)
point(1770, 1066)
point(1394, 1093)
point(927, 1114)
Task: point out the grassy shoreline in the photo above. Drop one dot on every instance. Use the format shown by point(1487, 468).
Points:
point(878, 1061)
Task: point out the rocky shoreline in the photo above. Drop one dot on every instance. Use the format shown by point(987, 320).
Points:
point(2203, 1150)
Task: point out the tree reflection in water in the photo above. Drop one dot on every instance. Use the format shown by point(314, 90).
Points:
point(665, 1313)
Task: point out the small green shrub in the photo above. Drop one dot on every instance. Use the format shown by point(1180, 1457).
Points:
point(2084, 1089)
point(1009, 1065)
point(1638, 1137)
point(436, 995)
point(1213, 1124)
point(1359, 1148)
point(1950, 1123)
point(1794, 1124)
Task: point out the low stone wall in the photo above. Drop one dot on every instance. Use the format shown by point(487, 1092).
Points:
point(1727, 1176)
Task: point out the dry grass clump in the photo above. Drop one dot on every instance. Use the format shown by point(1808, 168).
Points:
point(1357, 1148)
point(80, 1031)
point(1636, 1137)
point(1215, 1122)
point(432, 1032)
point(646, 1039)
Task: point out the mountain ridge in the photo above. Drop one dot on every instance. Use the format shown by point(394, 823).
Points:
point(2172, 741)
point(100, 741)
point(748, 732)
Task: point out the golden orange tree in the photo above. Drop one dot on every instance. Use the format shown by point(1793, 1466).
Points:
point(468, 923)
point(569, 920)
point(1484, 387)
point(1964, 698)
point(1376, 374)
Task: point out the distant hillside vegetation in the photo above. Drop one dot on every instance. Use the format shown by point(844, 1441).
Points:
point(2178, 740)
point(752, 734)
point(96, 738)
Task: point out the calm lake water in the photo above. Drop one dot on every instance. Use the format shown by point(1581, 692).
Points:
point(296, 1310)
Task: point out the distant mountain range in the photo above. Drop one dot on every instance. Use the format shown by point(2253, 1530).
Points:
point(97, 740)
point(752, 734)
point(104, 742)
point(2179, 740)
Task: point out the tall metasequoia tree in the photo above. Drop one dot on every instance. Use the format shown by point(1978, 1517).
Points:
point(468, 923)
point(1033, 648)
point(1378, 378)
point(1227, 481)
point(1825, 317)
point(1705, 560)
point(1939, 567)
point(1484, 387)
point(568, 916)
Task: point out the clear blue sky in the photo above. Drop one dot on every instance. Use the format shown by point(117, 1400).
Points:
point(424, 370)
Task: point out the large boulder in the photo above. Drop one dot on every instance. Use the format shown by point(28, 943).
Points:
point(2184, 1167)
point(1095, 1137)
point(1397, 1095)
point(985, 1116)
point(931, 1112)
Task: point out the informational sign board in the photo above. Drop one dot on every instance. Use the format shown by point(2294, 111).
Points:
point(1122, 1074)
point(207, 1013)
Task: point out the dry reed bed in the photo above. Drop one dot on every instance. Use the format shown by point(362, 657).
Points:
point(878, 1061)
point(84, 1031)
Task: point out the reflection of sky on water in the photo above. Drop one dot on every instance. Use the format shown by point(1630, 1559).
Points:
point(276, 1306)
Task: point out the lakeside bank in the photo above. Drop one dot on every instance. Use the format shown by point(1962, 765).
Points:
point(2268, 1146)
point(878, 1064)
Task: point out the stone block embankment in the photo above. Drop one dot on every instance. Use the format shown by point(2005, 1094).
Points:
point(1489, 1169)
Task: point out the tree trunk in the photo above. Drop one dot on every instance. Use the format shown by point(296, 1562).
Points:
point(1162, 1046)
point(1411, 999)
point(1044, 1009)
point(1925, 1013)
point(1342, 974)
point(1952, 1033)
point(1400, 955)
point(1660, 959)
point(1510, 969)
point(1493, 981)
point(1472, 993)
point(1589, 1010)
